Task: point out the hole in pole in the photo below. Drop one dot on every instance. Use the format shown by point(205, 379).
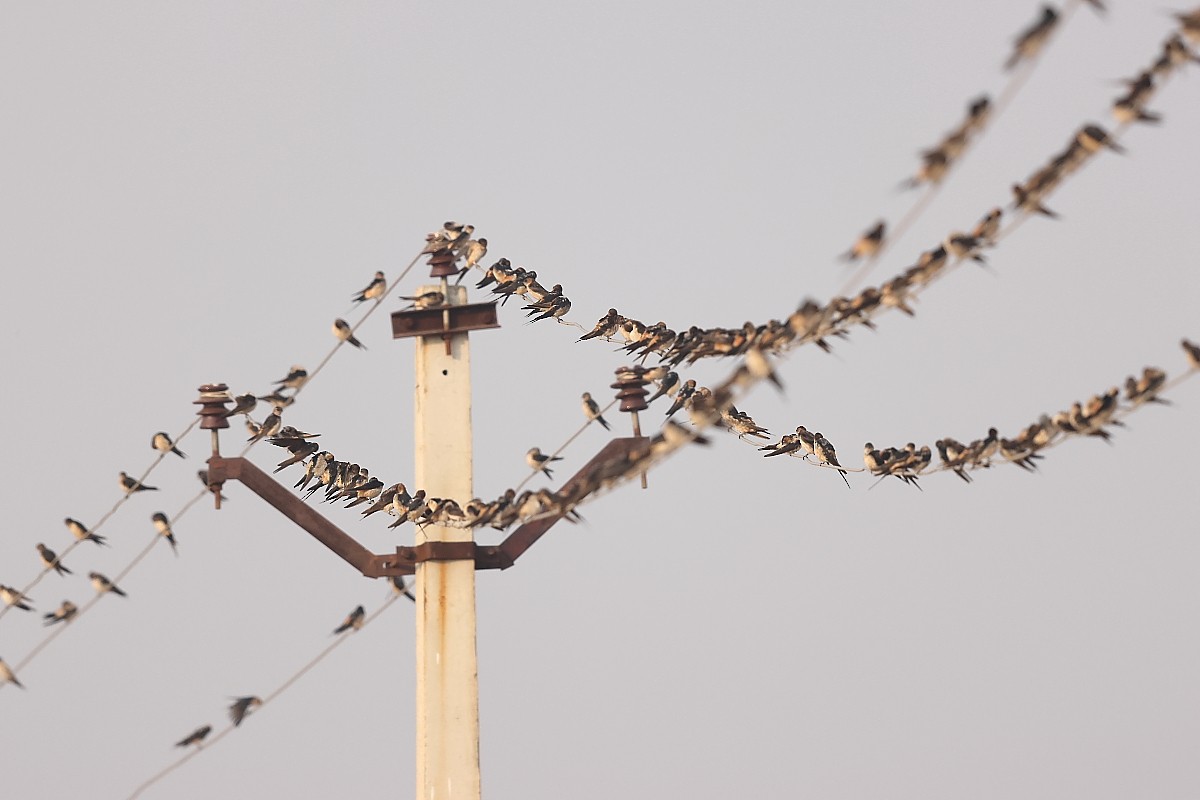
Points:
point(445, 372)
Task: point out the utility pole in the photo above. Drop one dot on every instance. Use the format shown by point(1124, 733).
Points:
point(447, 677)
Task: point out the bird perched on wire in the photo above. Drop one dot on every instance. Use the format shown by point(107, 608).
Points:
point(537, 460)
point(474, 251)
point(1192, 351)
point(8, 676)
point(827, 455)
point(353, 620)
point(373, 290)
point(270, 426)
point(102, 584)
point(131, 485)
point(1030, 41)
point(241, 707)
point(591, 410)
point(295, 378)
point(196, 737)
point(163, 526)
point(243, 404)
point(202, 474)
point(342, 330)
point(163, 444)
point(81, 533)
point(50, 560)
point(866, 245)
point(15, 597)
point(63, 613)
point(399, 587)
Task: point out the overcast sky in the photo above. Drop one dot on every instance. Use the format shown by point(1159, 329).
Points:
point(191, 192)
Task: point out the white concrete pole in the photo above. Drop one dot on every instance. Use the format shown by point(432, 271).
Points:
point(447, 680)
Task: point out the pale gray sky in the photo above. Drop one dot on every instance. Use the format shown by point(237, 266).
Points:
point(192, 192)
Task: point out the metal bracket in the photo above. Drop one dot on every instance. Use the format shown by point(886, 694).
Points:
point(405, 559)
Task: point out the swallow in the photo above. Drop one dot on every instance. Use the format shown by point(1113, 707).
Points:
point(373, 290)
point(1030, 202)
point(867, 245)
point(50, 560)
point(202, 474)
point(667, 385)
point(278, 398)
point(300, 452)
point(538, 461)
point(1192, 351)
point(341, 329)
point(1189, 24)
point(81, 533)
point(559, 309)
point(425, 300)
point(605, 327)
point(591, 410)
point(987, 228)
point(934, 166)
point(475, 250)
point(790, 443)
point(196, 737)
point(1092, 138)
point(1030, 41)
point(760, 367)
point(827, 455)
point(7, 675)
point(131, 485)
point(681, 396)
point(295, 378)
point(399, 587)
point(244, 705)
point(493, 273)
point(63, 613)
point(289, 432)
point(243, 404)
point(163, 526)
point(102, 584)
point(15, 597)
point(353, 620)
point(270, 426)
point(951, 453)
point(385, 499)
point(163, 444)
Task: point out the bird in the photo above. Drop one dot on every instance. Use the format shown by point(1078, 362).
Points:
point(243, 404)
point(353, 620)
point(591, 410)
point(537, 460)
point(760, 367)
point(50, 560)
point(475, 250)
point(15, 597)
point(270, 426)
point(131, 485)
point(81, 533)
point(196, 737)
point(242, 706)
point(163, 526)
point(1092, 138)
point(7, 675)
point(374, 289)
point(102, 584)
point(827, 455)
point(1192, 351)
point(867, 245)
point(63, 613)
point(424, 300)
point(400, 588)
point(295, 378)
point(668, 385)
point(162, 443)
point(202, 474)
point(341, 329)
point(1030, 41)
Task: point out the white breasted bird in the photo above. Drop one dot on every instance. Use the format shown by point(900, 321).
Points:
point(270, 426)
point(295, 378)
point(1031, 40)
point(373, 290)
point(342, 330)
point(63, 613)
point(81, 533)
point(538, 460)
point(131, 485)
point(591, 410)
point(353, 620)
point(50, 560)
point(8, 676)
point(163, 526)
point(102, 584)
point(15, 597)
point(163, 444)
